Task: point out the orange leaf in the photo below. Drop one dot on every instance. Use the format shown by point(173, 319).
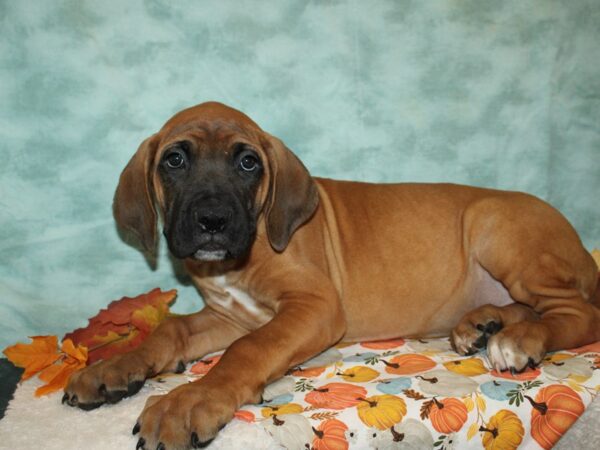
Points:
point(123, 325)
point(38, 355)
point(58, 377)
point(79, 354)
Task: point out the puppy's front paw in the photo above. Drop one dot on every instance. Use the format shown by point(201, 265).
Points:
point(106, 382)
point(516, 347)
point(469, 337)
point(190, 416)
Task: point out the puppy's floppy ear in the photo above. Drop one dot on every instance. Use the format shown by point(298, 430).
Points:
point(133, 205)
point(293, 196)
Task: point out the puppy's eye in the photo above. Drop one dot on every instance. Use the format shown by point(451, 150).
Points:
point(175, 160)
point(248, 163)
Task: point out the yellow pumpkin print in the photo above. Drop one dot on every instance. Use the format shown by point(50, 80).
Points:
point(359, 374)
point(504, 431)
point(279, 410)
point(470, 367)
point(381, 411)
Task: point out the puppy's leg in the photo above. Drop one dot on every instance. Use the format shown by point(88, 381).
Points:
point(536, 254)
point(174, 342)
point(476, 327)
point(192, 414)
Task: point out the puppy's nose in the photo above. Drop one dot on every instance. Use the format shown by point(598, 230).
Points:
point(213, 222)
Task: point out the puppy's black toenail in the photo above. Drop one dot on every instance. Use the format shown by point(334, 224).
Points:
point(115, 396)
point(140, 443)
point(73, 401)
point(180, 367)
point(136, 428)
point(160, 446)
point(513, 371)
point(531, 363)
point(134, 387)
point(196, 441)
point(205, 443)
point(89, 406)
point(65, 398)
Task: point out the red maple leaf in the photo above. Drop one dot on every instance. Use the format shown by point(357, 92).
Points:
point(123, 325)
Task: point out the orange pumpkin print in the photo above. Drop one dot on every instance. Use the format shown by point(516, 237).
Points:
point(527, 375)
point(408, 364)
point(242, 414)
point(590, 348)
point(204, 365)
point(504, 431)
point(448, 415)
point(331, 435)
point(383, 345)
point(381, 411)
point(555, 408)
point(336, 395)
point(311, 372)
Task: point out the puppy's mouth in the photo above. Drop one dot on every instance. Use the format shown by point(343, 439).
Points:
point(211, 251)
point(210, 255)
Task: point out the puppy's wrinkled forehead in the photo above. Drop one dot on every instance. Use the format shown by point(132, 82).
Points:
point(210, 120)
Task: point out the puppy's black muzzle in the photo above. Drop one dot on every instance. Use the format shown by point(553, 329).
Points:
point(210, 227)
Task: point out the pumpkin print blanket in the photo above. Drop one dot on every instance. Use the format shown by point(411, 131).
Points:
point(419, 394)
point(396, 394)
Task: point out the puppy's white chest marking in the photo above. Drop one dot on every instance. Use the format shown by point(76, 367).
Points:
point(233, 295)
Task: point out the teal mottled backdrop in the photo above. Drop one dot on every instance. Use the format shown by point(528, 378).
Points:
point(493, 93)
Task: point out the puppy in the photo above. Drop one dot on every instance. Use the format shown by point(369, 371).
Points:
point(289, 264)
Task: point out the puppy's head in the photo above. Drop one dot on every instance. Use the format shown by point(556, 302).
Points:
point(212, 173)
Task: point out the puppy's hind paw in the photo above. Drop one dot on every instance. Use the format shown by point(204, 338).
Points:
point(468, 338)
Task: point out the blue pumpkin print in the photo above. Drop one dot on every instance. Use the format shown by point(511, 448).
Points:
point(393, 386)
point(279, 400)
point(498, 390)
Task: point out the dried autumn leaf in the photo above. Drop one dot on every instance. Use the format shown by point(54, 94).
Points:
point(104, 347)
point(54, 366)
point(147, 318)
point(57, 375)
point(123, 325)
point(41, 353)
